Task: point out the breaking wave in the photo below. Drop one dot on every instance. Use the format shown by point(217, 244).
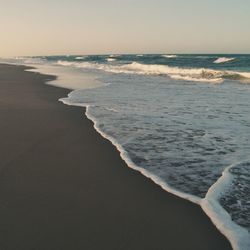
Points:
point(187, 74)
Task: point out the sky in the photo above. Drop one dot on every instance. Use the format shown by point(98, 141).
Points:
point(58, 27)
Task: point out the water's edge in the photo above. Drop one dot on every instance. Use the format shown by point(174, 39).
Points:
point(209, 204)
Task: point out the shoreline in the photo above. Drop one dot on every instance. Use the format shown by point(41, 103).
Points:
point(155, 226)
point(236, 235)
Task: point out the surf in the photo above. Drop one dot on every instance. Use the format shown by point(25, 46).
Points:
point(186, 74)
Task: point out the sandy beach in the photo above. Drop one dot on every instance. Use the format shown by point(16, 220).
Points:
point(64, 187)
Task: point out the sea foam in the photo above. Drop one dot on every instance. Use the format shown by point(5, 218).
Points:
point(238, 236)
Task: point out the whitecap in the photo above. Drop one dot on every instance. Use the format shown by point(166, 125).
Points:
point(111, 59)
point(80, 57)
point(223, 60)
point(169, 56)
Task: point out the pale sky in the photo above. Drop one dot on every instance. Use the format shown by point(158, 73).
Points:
point(49, 27)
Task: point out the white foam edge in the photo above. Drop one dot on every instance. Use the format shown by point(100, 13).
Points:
point(238, 236)
point(126, 158)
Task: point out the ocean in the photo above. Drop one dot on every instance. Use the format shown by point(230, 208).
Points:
point(181, 120)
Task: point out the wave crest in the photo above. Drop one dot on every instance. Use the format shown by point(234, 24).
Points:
point(223, 60)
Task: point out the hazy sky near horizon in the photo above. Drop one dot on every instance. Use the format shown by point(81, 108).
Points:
point(34, 27)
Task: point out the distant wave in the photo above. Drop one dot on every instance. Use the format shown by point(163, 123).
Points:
point(187, 74)
point(223, 60)
point(169, 56)
point(111, 59)
point(80, 57)
point(204, 57)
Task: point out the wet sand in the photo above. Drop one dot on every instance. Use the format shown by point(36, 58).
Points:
point(63, 186)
